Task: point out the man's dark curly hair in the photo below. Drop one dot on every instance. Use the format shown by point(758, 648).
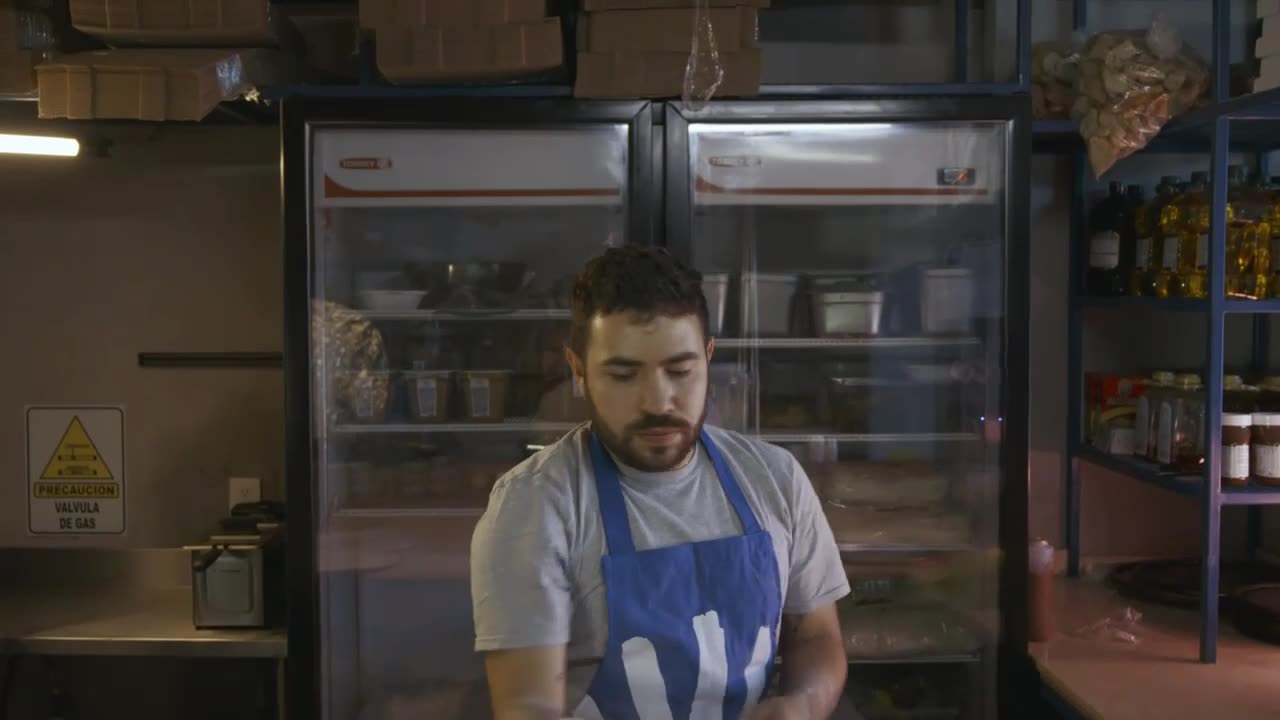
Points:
point(631, 278)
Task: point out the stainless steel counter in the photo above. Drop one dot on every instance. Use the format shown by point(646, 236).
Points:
point(141, 622)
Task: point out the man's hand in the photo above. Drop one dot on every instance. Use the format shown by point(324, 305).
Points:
point(781, 708)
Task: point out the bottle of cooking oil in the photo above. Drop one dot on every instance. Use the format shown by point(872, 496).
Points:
point(1252, 222)
point(1241, 238)
point(1193, 239)
point(1269, 197)
point(1146, 225)
point(1164, 276)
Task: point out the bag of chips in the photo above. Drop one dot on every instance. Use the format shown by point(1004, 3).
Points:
point(1129, 84)
point(1054, 70)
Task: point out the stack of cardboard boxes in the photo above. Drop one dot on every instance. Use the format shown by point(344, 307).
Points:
point(1267, 49)
point(181, 59)
point(424, 41)
point(641, 48)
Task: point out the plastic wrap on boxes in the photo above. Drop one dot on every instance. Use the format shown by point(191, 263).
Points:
point(176, 23)
point(407, 54)
point(27, 25)
point(381, 13)
point(150, 84)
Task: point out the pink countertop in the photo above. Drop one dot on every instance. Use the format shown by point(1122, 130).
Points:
point(1160, 676)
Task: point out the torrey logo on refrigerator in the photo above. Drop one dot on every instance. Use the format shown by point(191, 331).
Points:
point(956, 176)
point(735, 161)
point(381, 163)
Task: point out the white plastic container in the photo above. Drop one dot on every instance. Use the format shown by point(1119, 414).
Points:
point(766, 303)
point(946, 301)
point(715, 287)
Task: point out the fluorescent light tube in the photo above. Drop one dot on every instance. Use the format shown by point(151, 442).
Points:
point(39, 145)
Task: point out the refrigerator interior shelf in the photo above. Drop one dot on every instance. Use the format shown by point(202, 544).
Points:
point(820, 343)
point(799, 436)
point(467, 315)
point(455, 427)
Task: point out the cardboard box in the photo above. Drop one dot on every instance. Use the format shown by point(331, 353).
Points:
point(423, 54)
point(381, 13)
point(224, 23)
point(656, 75)
point(601, 5)
point(18, 70)
point(664, 30)
point(1268, 42)
point(149, 84)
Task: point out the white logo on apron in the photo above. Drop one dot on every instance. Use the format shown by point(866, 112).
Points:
point(649, 690)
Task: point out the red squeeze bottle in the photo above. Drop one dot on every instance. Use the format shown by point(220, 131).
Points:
point(1040, 593)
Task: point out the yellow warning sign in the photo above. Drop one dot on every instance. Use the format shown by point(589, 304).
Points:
point(75, 457)
point(72, 491)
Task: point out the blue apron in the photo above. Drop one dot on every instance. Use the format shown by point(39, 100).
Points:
point(692, 628)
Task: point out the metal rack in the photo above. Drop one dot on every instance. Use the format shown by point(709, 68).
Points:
point(1207, 128)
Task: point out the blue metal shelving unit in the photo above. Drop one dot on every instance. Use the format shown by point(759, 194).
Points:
point(1249, 123)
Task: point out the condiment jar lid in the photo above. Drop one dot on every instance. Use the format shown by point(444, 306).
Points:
point(1164, 377)
point(1239, 420)
point(1232, 382)
point(1266, 419)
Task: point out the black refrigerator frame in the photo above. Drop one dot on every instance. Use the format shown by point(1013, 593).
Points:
point(659, 213)
point(298, 117)
point(1016, 681)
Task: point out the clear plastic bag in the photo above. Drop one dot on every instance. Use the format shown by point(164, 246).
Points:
point(1054, 72)
point(704, 72)
point(1129, 84)
point(1121, 627)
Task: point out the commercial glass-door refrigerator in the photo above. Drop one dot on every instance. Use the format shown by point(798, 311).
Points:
point(428, 248)
point(866, 266)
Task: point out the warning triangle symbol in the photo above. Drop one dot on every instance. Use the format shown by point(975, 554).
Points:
point(75, 457)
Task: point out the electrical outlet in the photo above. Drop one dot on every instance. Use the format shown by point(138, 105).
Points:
point(243, 490)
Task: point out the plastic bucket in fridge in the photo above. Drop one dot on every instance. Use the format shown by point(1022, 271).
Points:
point(485, 392)
point(363, 395)
point(715, 287)
point(428, 394)
point(766, 303)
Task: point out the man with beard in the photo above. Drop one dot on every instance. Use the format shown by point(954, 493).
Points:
point(645, 567)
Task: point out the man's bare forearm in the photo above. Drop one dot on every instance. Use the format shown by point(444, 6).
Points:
point(528, 683)
point(814, 664)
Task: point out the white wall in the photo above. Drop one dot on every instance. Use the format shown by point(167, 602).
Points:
point(173, 243)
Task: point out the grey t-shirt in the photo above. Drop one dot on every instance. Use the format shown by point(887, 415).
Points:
point(535, 555)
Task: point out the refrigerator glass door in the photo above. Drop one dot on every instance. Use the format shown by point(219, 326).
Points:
point(863, 330)
point(441, 260)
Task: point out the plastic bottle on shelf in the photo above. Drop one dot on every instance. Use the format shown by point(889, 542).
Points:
point(1248, 259)
point(1255, 209)
point(1166, 273)
point(1159, 389)
point(1147, 237)
point(1135, 199)
point(1108, 224)
point(1193, 239)
point(1271, 196)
